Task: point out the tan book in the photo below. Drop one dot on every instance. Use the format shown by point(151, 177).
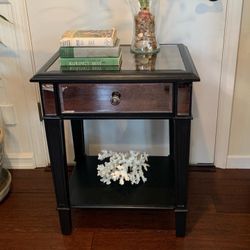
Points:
point(93, 38)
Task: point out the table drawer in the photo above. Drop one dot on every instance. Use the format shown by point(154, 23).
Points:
point(109, 98)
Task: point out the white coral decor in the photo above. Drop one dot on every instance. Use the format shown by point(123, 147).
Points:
point(122, 167)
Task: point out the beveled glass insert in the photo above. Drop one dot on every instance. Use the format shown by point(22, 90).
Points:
point(184, 99)
point(48, 99)
point(122, 98)
point(168, 59)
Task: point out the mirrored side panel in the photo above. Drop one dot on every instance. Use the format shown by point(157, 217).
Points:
point(184, 99)
point(48, 99)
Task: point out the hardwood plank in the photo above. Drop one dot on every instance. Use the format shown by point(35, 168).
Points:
point(146, 240)
point(160, 240)
point(218, 218)
point(29, 217)
point(31, 181)
point(44, 241)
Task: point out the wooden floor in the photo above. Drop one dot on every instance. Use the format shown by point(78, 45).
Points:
point(219, 218)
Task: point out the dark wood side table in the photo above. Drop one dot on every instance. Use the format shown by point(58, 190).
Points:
point(146, 87)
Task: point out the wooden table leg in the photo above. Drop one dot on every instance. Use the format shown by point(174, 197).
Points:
point(180, 145)
point(56, 145)
point(78, 139)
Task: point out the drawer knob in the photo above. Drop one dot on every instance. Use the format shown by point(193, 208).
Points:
point(115, 98)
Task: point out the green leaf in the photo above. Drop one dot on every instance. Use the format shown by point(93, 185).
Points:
point(144, 4)
point(2, 43)
point(5, 19)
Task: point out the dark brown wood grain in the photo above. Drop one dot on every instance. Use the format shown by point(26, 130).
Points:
point(81, 98)
point(218, 218)
point(90, 98)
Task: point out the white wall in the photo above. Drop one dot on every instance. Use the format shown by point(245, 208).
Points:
point(199, 24)
point(239, 149)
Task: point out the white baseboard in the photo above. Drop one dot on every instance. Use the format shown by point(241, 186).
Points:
point(156, 150)
point(238, 162)
point(19, 161)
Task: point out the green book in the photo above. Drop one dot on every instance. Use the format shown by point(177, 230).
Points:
point(91, 68)
point(91, 51)
point(84, 61)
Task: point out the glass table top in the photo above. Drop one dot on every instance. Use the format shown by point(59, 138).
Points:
point(172, 63)
point(169, 58)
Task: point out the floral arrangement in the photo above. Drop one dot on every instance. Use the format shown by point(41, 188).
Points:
point(122, 167)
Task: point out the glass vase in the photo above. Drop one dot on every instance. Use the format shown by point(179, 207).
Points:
point(144, 13)
point(145, 62)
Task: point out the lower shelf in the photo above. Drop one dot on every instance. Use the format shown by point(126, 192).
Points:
point(86, 190)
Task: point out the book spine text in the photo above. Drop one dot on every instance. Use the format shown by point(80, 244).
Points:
point(102, 41)
point(90, 61)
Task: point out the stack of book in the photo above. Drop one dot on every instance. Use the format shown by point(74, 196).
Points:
point(90, 50)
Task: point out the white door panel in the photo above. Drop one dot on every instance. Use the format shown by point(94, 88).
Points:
point(199, 25)
point(24, 137)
